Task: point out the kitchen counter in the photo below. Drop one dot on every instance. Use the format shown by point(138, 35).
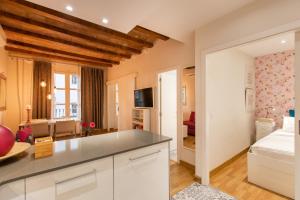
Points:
point(76, 151)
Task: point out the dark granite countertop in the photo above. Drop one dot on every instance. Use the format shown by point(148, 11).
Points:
point(76, 151)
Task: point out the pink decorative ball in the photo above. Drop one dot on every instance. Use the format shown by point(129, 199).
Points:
point(7, 140)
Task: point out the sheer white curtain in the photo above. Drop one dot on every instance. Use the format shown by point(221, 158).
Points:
point(19, 91)
point(24, 85)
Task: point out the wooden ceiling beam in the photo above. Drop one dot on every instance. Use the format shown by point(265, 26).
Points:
point(30, 38)
point(33, 47)
point(146, 33)
point(25, 49)
point(61, 20)
point(12, 20)
point(50, 57)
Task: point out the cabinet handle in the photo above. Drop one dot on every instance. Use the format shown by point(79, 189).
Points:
point(76, 177)
point(143, 156)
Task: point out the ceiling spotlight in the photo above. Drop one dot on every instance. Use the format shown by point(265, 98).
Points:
point(69, 8)
point(283, 41)
point(104, 20)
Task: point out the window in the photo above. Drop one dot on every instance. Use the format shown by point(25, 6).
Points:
point(66, 95)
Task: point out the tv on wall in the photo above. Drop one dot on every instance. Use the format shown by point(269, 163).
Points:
point(143, 98)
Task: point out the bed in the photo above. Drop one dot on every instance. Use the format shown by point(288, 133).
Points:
point(271, 162)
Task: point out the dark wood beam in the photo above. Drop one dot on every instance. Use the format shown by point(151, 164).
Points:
point(33, 47)
point(47, 41)
point(27, 24)
point(146, 33)
point(38, 55)
point(58, 19)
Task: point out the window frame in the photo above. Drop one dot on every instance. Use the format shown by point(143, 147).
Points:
point(67, 90)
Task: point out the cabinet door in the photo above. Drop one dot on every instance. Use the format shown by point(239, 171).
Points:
point(142, 174)
point(89, 181)
point(13, 191)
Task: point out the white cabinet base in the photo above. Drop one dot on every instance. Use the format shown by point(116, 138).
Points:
point(13, 191)
point(142, 174)
point(89, 181)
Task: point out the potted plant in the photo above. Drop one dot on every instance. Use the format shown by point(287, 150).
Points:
point(87, 128)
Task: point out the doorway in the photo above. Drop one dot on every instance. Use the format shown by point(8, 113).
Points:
point(167, 98)
point(246, 85)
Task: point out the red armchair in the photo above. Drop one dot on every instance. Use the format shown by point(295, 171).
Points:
point(191, 124)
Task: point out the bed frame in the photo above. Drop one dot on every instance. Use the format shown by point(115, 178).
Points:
point(271, 174)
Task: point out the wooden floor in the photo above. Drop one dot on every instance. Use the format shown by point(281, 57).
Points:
point(231, 180)
point(189, 142)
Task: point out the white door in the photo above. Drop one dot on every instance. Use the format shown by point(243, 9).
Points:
point(112, 106)
point(168, 108)
point(142, 174)
point(89, 181)
point(126, 86)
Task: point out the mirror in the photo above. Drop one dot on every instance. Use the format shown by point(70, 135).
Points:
point(188, 107)
point(2, 92)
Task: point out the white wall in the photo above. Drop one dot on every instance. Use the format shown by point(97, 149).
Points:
point(297, 106)
point(231, 127)
point(164, 55)
point(255, 21)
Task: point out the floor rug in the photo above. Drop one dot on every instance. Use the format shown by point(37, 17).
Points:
point(197, 191)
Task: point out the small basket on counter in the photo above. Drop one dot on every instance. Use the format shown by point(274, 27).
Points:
point(43, 147)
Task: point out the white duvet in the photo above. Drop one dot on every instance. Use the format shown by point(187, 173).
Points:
point(278, 145)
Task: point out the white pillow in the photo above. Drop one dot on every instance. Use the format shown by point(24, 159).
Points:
point(288, 124)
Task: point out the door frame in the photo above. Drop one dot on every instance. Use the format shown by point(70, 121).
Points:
point(202, 125)
point(179, 105)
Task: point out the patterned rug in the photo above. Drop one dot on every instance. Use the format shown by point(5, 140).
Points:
point(197, 191)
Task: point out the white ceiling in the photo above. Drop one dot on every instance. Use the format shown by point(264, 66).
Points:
point(269, 45)
point(174, 18)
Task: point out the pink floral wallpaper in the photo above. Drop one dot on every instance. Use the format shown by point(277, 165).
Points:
point(274, 82)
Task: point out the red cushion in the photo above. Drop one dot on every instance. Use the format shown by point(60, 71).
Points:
point(192, 117)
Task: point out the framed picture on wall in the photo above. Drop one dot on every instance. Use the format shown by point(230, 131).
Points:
point(183, 95)
point(249, 100)
point(249, 76)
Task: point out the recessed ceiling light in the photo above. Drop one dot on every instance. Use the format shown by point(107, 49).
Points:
point(283, 41)
point(104, 20)
point(69, 8)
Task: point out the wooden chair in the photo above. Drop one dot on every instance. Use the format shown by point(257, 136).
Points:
point(40, 130)
point(65, 126)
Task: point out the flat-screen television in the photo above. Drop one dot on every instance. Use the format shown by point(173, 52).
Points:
point(143, 98)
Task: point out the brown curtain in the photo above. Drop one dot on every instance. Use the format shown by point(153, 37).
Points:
point(41, 106)
point(92, 95)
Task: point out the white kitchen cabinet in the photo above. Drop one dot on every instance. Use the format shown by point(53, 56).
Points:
point(88, 181)
point(142, 174)
point(13, 191)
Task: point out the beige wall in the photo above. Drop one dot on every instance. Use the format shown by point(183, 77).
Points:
point(231, 126)
point(255, 21)
point(188, 81)
point(162, 56)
